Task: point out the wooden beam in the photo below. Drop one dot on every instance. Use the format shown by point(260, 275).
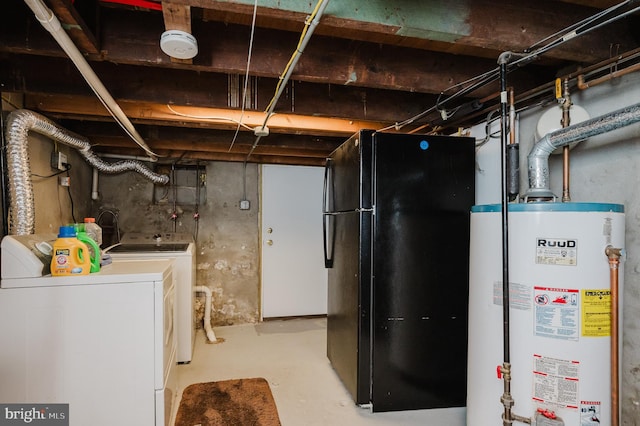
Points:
point(212, 118)
point(184, 87)
point(74, 25)
point(177, 17)
point(165, 155)
point(132, 38)
point(205, 140)
point(483, 27)
point(206, 144)
point(220, 148)
point(223, 49)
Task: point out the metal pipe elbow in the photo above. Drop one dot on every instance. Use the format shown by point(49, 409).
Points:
point(538, 169)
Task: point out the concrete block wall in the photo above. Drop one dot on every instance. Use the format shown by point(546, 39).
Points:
point(227, 243)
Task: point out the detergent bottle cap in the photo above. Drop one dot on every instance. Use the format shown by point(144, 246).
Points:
point(67, 232)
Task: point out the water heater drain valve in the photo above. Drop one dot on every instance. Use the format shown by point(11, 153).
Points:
point(546, 417)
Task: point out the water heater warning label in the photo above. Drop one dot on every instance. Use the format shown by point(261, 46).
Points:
point(557, 251)
point(596, 313)
point(590, 413)
point(555, 381)
point(557, 312)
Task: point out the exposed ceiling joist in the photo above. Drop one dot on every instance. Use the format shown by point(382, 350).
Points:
point(177, 17)
point(209, 118)
point(374, 63)
point(75, 25)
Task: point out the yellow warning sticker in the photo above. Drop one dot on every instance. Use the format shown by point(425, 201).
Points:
point(596, 313)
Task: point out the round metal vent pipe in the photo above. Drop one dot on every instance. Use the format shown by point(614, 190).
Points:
point(538, 159)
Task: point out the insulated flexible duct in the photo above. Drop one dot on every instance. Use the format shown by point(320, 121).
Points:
point(538, 159)
point(19, 123)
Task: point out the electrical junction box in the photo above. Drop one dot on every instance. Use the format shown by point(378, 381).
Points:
point(244, 204)
point(58, 160)
point(261, 131)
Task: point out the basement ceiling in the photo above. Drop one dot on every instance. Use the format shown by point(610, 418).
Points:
point(405, 65)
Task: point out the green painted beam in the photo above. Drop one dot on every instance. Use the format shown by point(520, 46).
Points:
point(482, 28)
point(425, 19)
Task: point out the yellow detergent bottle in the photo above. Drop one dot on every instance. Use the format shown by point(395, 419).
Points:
point(70, 255)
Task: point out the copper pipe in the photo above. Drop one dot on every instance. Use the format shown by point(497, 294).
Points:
point(566, 195)
point(614, 261)
point(583, 84)
point(566, 121)
point(579, 74)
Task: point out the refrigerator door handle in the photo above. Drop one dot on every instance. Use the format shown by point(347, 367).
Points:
point(325, 187)
point(328, 261)
point(347, 212)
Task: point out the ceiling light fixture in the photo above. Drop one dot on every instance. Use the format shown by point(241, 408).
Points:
point(179, 44)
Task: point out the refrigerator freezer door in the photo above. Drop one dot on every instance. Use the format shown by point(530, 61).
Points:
point(348, 177)
point(424, 190)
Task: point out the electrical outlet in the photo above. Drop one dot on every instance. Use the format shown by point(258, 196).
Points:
point(244, 204)
point(58, 160)
point(65, 181)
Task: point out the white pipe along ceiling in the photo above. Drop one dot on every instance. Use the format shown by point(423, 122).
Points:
point(50, 22)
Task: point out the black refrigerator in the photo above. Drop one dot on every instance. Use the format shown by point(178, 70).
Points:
point(396, 240)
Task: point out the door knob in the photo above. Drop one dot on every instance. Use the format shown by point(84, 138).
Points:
point(269, 230)
point(270, 242)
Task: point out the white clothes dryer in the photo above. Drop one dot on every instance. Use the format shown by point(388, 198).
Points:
point(103, 343)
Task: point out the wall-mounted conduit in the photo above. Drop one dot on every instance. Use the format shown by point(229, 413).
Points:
point(310, 25)
point(20, 188)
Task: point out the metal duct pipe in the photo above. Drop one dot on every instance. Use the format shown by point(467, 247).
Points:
point(538, 159)
point(19, 123)
point(566, 160)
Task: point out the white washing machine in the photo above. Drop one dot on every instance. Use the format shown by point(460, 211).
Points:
point(92, 341)
point(180, 247)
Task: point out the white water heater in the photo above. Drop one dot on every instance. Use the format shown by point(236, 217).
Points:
point(559, 312)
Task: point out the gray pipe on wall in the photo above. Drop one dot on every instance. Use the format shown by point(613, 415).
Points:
point(19, 124)
point(538, 158)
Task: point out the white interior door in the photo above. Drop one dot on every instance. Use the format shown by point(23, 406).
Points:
point(294, 279)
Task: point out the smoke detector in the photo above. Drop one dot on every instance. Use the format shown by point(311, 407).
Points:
point(179, 44)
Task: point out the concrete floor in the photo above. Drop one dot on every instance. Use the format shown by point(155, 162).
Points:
point(290, 355)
